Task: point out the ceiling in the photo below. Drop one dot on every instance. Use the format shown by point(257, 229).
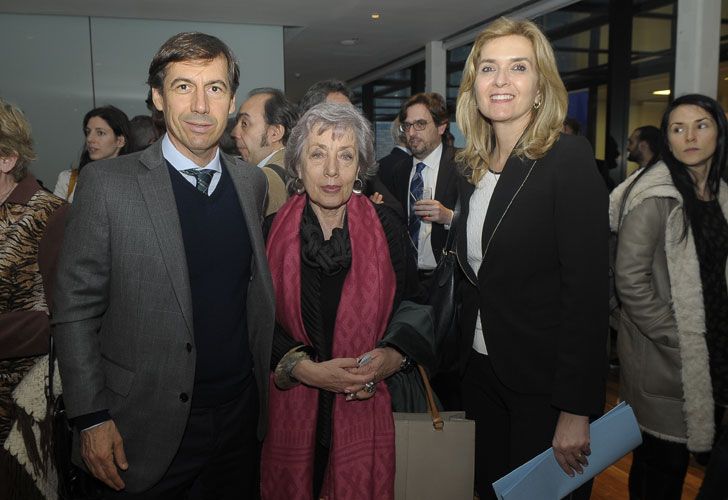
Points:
point(313, 28)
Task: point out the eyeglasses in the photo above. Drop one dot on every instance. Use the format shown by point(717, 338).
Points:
point(418, 125)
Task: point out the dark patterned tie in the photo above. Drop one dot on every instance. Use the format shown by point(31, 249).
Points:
point(203, 177)
point(415, 194)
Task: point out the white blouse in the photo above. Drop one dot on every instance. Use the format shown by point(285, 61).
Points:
point(479, 202)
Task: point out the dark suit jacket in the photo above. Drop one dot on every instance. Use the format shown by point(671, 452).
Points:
point(123, 315)
point(445, 190)
point(388, 163)
point(542, 288)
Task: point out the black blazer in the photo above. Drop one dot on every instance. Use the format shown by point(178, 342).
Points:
point(542, 288)
point(446, 191)
point(388, 163)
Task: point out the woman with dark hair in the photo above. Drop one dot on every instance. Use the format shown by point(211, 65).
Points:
point(533, 246)
point(341, 267)
point(671, 278)
point(108, 135)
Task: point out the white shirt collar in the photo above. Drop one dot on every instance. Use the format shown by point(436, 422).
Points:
point(431, 160)
point(265, 160)
point(181, 162)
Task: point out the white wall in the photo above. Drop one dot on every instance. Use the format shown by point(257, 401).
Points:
point(47, 71)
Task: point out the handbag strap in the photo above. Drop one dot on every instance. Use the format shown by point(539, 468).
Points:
point(437, 422)
point(450, 240)
point(72, 182)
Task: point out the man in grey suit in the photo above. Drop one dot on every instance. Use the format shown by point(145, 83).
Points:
point(165, 312)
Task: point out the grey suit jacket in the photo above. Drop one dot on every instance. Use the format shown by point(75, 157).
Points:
point(123, 315)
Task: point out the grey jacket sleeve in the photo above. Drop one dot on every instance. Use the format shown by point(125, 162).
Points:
point(640, 255)
point(81, 297)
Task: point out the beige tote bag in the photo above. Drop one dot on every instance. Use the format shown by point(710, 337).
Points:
point(435, 453)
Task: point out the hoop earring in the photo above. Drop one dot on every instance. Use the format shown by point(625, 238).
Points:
point(360, 188)
point(298, 186)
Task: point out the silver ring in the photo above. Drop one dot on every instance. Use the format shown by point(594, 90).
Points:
point(369, 387)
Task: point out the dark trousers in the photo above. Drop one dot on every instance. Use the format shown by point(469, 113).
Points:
point(658, 469)
point(715, 484)
point(218, 457)
point(510, 428)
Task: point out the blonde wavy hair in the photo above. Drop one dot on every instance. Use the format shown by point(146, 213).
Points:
point(15, 139)
point(546, 121)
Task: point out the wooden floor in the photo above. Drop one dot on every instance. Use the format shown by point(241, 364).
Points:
point(612, 483)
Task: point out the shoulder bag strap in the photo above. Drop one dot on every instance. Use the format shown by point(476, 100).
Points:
point(72, 182)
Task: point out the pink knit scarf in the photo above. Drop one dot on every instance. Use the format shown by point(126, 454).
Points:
point(361, 459)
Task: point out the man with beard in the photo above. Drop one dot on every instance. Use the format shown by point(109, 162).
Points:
point(263, 125)
point(164, 314)
point(430, 169)
point(643, 146)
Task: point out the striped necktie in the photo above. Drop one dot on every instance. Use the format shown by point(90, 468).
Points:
point(203, 177)
point(417, 185)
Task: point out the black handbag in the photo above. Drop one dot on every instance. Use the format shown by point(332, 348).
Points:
point(73, 482)
point(442, 297)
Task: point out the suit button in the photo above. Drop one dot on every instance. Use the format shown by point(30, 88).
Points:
point(183, 397)
point(189, 347)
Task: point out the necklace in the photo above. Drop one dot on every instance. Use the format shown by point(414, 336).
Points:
point(5, 195)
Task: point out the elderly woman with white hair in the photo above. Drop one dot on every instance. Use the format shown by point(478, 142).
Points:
point(341, 268)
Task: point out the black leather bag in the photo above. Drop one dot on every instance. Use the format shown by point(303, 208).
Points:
point(442, 298)
point(73, 482)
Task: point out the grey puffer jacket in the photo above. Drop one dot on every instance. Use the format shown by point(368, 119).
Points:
point(663, 355)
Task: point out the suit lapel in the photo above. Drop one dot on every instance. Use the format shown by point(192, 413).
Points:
point(445, 173)
point(510, 180)
point(402, 172)
point(241, 180)
point(156, 189)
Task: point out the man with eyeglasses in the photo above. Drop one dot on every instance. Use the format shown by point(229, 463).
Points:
point(425, 183)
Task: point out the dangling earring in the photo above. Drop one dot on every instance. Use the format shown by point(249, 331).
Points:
point(298, 186)
point(358, 189)
point(537, 104)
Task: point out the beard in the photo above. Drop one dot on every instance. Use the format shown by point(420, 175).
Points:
point(634, 156)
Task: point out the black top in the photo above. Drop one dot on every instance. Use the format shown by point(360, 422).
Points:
point(543, 287)
point(219, 254)
point(711, 242)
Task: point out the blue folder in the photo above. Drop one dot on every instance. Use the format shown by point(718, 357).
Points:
point(612, 436)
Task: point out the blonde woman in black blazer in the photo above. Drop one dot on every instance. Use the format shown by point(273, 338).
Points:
point(533, 246)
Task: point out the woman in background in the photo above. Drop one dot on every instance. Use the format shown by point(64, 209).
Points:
point(671, 278)
point(108, 135)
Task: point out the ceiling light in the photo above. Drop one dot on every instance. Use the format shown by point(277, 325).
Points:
point(375, 16)
point(661, 92)
point(349, 41)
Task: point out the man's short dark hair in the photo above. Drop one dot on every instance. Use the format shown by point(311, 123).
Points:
point(652, 136)
point(192, 46)
point(317, 93)
point(434, 103)
point(573, 124)
point(278, 110)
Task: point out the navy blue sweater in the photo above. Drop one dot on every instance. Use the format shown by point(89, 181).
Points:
point(218, 251)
